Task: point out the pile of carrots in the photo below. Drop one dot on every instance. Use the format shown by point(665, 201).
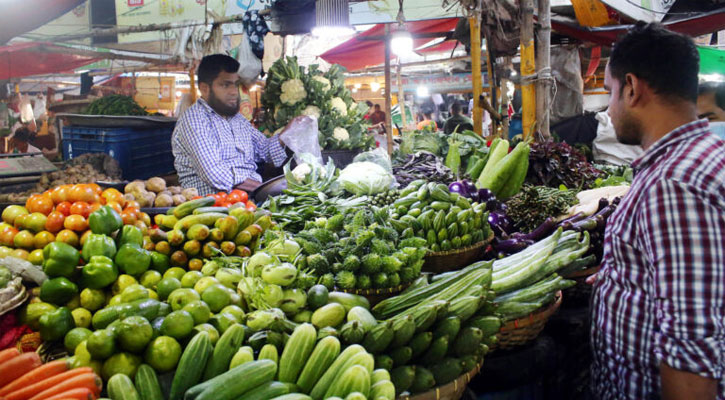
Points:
point(23, 376)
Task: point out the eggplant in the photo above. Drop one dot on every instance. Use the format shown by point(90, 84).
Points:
point(540, 232)
point(484, 195)
point(458, 187)
point(470, 187)
point(500, 223)
point(512, 246)
point(587, 224)
point(603, 202)
point(491, 204)
point(567, 223)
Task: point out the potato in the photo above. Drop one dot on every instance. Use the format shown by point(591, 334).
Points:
point(163, 200)
point(156, 184)
point(164, 192)
point(178, 199)
point(150, 198)
point(129, 197)
point(188, 193)
point(134, 186)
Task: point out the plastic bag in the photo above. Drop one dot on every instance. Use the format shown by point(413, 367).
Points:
point(301, 137)
point(378, 156)
point(26, 109)
point(249, 65)
point(39, 108)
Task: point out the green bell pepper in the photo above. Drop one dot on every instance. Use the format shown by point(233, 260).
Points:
point(98, 245)
point(159, 261)
point(99, 272)
point(132, 259)
point(104, 221)
point(58, 290)
point(55, 324)
point(130, 234)
point(60, 259)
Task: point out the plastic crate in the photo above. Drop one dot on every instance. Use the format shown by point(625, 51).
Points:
point(140, 152)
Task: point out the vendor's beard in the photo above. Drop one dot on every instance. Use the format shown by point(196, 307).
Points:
point(222, 108)
point(629, 131)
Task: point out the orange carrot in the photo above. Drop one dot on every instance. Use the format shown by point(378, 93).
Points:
point(30, 391)
point(17, 367)
point(8, 354)
point(90, 381)
point(38, 374)
point(74, 394)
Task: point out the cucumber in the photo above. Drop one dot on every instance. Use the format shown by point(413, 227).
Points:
point(320, 387)
point(401, 355)
point(185, 209)
point(383, 390)
point(383, 361)
point(362, 314)
point(324, 354)
point(331, 314)
point(464, 307)
point(235, 382)
point(202, 210)
point(348, 300)
point(437, 351)
point(354, 379)
point(489, 325)
point(352, 332)
point(379, 375)
point(243, 355)
point(269, 352)
point(120, 387)
point(296, 351)
point(207, 219)
point(448, 327)
point(269, 390)
point(469, 338)
point(224, 350)
point(423, 381)
point(403, 330)
point(352, 396)
point(293, 396)
point(189, 370)
point(447, 370)
point(402, 378)
point(378, 338)
point(420, 343)
point(147, 383)
point(469, 362)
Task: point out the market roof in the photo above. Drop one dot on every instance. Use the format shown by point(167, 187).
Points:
point(21, 16)
point(38, 58)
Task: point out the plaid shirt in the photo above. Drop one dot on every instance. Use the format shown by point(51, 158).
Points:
point(213, 153)
point(660, 296)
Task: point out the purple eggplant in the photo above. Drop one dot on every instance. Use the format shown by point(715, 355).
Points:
point(567, 223)
point(485, 195)
point(512, 246)
point(458, 187)
point(500, 224)
point(603, 202)
point(540, 232)
point(470, 187)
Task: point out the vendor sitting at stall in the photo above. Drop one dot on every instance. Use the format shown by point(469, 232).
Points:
point(215, 147)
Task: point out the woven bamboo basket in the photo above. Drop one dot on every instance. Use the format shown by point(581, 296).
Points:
point(450, 391)
point(582, 290)
point(375, 296)
point(523, 330)
point(445, 261)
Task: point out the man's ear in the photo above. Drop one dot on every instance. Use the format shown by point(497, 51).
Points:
point(633, 90)
point(204, 88)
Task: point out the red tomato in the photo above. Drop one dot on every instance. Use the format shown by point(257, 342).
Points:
point(226, 204)
point(251, 206)
point(54, 222)
point(76, 223)
point(39, 203)
point(80, 208)
point(243, 197)
point(234, 197)
point(128, 217)
point(196, 197)
point(63, 208)
point(218, 200)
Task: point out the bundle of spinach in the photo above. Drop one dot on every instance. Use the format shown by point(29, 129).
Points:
point(554, 164)
point(116, 104)
point(534, 204)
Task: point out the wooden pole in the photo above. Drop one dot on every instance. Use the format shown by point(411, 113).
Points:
point(528, 68)
point(543, 70)
point(388, 94)
point(192, 86)
point(401, 97)
point(475, 26)
point(492, 87)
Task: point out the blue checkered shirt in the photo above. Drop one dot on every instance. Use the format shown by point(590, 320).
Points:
point(213, 153)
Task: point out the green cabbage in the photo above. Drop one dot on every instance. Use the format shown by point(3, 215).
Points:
point(365, 178)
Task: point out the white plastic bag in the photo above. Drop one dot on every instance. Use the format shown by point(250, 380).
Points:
point(301, 137)
point(26, 109)
point(249, 65)
point(39, 108)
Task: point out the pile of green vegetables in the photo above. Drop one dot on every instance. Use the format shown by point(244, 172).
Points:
point(534, 204)
point(116, 104)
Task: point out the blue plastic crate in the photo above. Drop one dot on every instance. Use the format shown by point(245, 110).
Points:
point(140, 152)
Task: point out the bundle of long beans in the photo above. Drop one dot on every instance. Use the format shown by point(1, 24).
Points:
point(534, 204)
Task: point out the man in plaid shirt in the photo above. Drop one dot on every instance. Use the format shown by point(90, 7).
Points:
point(658, 310)
point(215, 147)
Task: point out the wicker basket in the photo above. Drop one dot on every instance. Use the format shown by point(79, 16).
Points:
point(375, 296)
point(523, 330)
point(450, 391)
point(582, 291)
point(444, 261)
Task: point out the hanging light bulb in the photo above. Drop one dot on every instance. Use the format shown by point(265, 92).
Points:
point(374, 86)
point(401, 42)
point(332, 19)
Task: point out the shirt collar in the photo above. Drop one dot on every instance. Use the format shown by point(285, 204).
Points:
point(210, 110)
point(679, 134)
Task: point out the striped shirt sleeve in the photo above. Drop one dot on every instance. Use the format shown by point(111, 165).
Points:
point(268, 149)
point(682, 232)
point(201, 141)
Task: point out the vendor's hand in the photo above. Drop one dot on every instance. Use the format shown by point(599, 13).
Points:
point(248, 185)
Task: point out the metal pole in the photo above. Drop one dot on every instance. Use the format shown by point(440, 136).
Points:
point(388, 123)
point(528, 67)
point(543, 70)
point(475, 26)
point(401, 97)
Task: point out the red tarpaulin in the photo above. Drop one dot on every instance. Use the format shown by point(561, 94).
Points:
point(693, 26)
point(356, 54)
point(21, 16)
point(445, 46)
point(36, 58)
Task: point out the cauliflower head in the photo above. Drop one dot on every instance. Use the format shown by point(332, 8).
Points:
point(301, 171)
point(293, 91)
point(324, 81)
point(340, 134)
point(339, 104)
point(312, 111)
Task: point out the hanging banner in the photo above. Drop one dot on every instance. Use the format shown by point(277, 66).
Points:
point(642, 10)
point(146, 12)
point(384, 11)
point(74, 21)
point(462, 82)
point(155, 93)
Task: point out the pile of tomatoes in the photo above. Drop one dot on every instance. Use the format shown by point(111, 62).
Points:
point(235, 196)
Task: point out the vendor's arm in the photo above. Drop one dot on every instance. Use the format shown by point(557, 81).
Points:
point(201, 140)
point(683, 229)
point(267, 149)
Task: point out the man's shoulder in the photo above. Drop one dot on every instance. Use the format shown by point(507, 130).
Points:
point(696, 162)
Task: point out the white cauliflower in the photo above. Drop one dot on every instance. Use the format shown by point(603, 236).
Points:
point(324, 81)
point(339, 104)
point(301, 171)
point(340, 134)
point(312, 111)
point(293, 91)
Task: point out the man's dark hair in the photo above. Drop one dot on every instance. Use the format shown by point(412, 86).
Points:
point(369, 103)
point(714, 87)
point(212, 65)
point(377, 106)
point(22, 134)
point(667, 61)
point(456, 108)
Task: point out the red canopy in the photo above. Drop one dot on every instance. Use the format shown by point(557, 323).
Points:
point(38, 58)
point(21, 16)
point(358, 53)
point(444, 46)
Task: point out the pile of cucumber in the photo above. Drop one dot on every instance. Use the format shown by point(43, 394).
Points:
point(505, 170)
point(445, 220)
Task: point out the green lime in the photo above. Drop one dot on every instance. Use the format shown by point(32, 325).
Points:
point(213, 333)
point(134, 292)
point(190, 278)
point(217, 297)
point(81, 351)
point(74, 302)
point(204, 283)
point(174, 272)
point(181, 297)
point(166, 286)
point(101, 344)
point(134, 333)
point(92, 299)
point(122, 282)
point(150, 279)
point(115, 300)
point(163, 353)
point(199, 310)
point(74, 337)
point(235, 311)
point(82, 317)
point(156, 326)
point(222, 321)
point(178, 324)
point(121, 363)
